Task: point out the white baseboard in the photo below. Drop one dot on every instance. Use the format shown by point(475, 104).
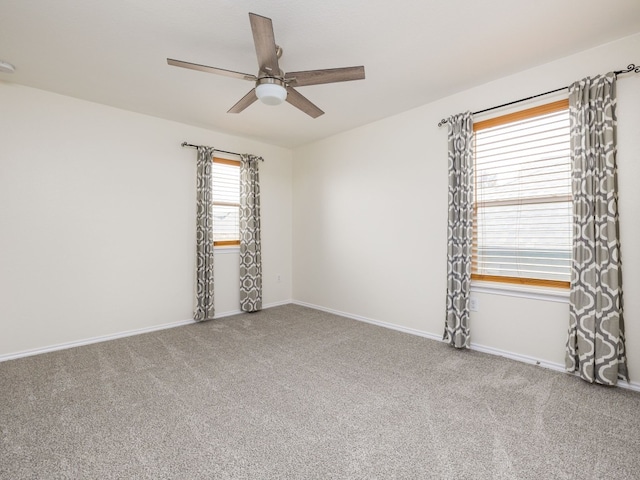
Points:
point(480, 348)
point(400, 328)
point(558, 367)
point(114, 336)
point(238, 312)
point(89, 341)
point(519, 357)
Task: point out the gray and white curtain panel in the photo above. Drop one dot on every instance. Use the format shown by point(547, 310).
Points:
point(595, 345)
point(250, 247)
point(459, 231)
point(204, 308)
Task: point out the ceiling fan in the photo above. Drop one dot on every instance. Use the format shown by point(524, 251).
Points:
point(272, 85)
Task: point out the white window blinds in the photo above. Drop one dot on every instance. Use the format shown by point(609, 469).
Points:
point(226, 201)
point(523, 211)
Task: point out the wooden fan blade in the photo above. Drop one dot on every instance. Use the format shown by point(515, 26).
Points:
point(301, 102)
point(330, 75)
point(265, 42)
point(244, 102)
point(205, 68)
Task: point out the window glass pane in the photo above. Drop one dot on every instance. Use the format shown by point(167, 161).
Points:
point(226, 201)
point(226, 225)
point(522, 226)
point(525, 241)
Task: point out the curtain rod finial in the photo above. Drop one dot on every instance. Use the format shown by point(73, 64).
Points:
point(630, 68)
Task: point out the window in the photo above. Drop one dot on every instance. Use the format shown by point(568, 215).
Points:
point(523, 211)
point(226, 202)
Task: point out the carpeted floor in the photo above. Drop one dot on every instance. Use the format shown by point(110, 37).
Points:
point(294, 393)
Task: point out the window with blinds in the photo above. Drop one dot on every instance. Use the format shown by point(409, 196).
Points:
point(226, 202)
point(523, 211)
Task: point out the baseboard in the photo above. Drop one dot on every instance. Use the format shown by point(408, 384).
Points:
point(89, 341)
point(400, 328)
point(474, 346)
point(231, 313)
point(114, 336)
point(519, 357)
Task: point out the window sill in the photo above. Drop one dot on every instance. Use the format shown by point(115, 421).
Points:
point(547, 294)
point(224, 250)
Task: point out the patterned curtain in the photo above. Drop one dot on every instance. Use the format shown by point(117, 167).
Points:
point(459, 231)
point(204, 237)
point(250, 256)
point(595, 346)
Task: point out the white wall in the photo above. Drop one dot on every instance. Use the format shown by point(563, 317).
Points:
point(370, 220)
point(97, 221)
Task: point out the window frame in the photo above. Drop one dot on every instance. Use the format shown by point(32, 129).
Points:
point(540, 110)
point(227, 243)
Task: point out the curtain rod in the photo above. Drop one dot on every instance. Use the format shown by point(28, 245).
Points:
point(630, 68)
point(185, 144)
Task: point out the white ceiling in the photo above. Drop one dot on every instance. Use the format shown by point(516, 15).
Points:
point(414, 51)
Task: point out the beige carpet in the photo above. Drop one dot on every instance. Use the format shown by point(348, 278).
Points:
point(294, 393)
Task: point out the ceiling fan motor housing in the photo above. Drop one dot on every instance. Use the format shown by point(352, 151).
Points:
point(271, 90)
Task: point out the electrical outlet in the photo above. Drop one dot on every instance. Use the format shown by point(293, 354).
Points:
point(278, 279)
point(473, 304)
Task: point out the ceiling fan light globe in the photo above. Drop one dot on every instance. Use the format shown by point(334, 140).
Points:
point(271, 94)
